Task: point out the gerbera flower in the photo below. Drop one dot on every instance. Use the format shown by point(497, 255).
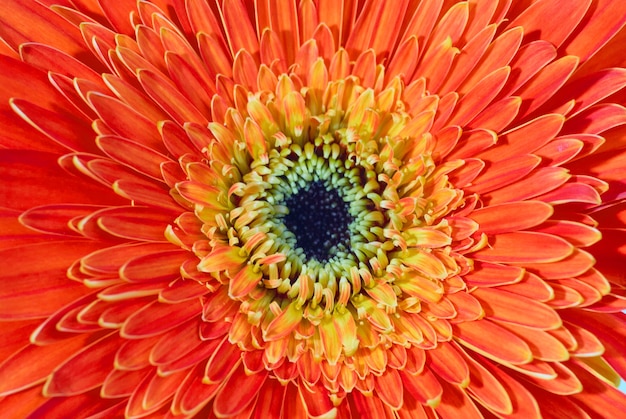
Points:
point(308, 208)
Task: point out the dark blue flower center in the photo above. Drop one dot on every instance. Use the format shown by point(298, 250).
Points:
point(319, 219)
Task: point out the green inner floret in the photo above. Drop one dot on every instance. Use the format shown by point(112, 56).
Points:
point(344, 220)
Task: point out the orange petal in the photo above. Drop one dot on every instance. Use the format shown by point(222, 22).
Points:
point(456, 403)
point(239, 30)
point(576, 264)
point(479, 97)
point(388, 388)
point(545, 83)
point(486, 388)
point(221, 258)
point(503, 173)
point(497, 116)
point(484, 337)
point(526, 138)
point(470, 54)
point(244, 281)
point(565, 384)
point(283, 324)
point(447, 363)
point(514, 308)
point(525, 247)
point(534, 19)
point(164, 93)
point(504, 218)
point(498, 55)
point(541, 181)
point(524, 404)
point(424, 387)
point(316, 401)
point(543, 345)
point(601, 24)
point(467, 307)
point(473, 142)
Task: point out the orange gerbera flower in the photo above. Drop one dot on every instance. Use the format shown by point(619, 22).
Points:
point(365, 209)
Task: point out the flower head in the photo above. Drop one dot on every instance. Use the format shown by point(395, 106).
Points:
point(312, 208)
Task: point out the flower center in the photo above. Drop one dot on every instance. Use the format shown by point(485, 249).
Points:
point(327, 223)
point(319, 219)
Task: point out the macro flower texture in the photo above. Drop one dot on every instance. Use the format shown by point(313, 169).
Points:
point(312, 208)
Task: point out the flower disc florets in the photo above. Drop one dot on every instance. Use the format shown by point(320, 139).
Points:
point(387, 284)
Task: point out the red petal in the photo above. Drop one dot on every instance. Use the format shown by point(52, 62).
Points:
point(109, 260)
point(94, 362)
point(229, 402)
point(126, 121)
point(56, 219)
point(38, 288)
point(135, 223)
point(146, 193)
point(193, 394)
point(157, 318)
point(154, 267)
point(134, 354)
point(123, 383)
point(47, 27)
point(223, 361)
point(154, 392)
point(22, 173)
point(33, 364)
point(134, 155)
